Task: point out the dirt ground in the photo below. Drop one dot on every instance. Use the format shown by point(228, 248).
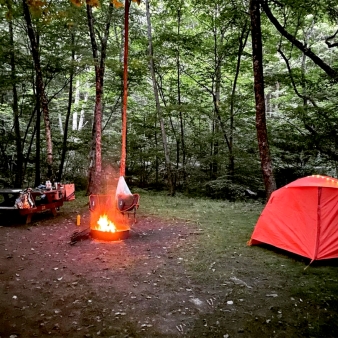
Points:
point(138, 287)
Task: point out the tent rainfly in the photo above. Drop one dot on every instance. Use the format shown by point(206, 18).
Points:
point(302, 217)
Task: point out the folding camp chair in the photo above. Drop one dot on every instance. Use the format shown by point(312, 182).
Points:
point(100, 202)
point(125, 204)
point(128, 204)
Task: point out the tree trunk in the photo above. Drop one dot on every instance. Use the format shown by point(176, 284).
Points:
point(158, 107)
point(69, 109)
point(262, 136)
point(216, 100)
point(95, 168)
point(82, 115)
point(76, 104)
point(37, 181)
point(214, 148)
point(19, 160)
point(125, 90)
point(40, 90)
point(178, 66)
point(242, 42)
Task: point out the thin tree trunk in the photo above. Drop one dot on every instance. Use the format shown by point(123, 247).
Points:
point(69, 109)
point(242, 42)
point(262, 135)
point(179, 97)
point(40, 87)
point(157, 164)
point(214, 147)
point(60, 124)
point(19, 161)
point(28, 152)
point(76, 104)
point(37, 181)
point(82, 116)
point(217, 114)
point(125, 90)
point(158, 106)
point(217, 95)
point(32, 137)
point(97, 163)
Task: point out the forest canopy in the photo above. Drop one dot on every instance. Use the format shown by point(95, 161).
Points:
point(200, 118)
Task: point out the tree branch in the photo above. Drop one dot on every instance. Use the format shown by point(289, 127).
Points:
point(332, 73)
point(329, 44)
point(304, 97)
point(321, 146)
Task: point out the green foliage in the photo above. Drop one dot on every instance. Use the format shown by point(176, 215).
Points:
point(189, 51)
point(238, 188)
point(224, 188)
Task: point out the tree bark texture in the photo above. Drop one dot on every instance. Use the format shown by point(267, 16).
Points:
point(262, 136)
point(19, 159)
point(217, 98)
point(95, 169)
point(97, 163)
point(158, 107)
point(242, 43)
point(179, 100)
point(40, 90)
point(69, 110)
point(125, 90)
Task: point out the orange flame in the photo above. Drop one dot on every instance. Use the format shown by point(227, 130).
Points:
point(105, 224)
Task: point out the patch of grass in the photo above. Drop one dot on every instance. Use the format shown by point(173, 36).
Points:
point(81, 202)
point(212, 256)
point(225, 226)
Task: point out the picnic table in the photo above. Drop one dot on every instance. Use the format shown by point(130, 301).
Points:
point(41, 199)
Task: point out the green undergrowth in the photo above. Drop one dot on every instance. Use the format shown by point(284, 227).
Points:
point(79, 203)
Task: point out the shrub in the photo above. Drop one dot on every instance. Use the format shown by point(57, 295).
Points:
point(224, 188)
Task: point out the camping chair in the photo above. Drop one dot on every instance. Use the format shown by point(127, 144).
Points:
point(97, 202)
point(128, 204)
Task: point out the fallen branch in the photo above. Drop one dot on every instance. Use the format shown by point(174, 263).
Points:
point(196, 233)
point(79, 236)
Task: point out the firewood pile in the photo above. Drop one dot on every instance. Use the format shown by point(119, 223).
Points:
point(79, 236)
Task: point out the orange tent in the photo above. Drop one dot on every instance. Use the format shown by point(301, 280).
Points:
point(302, 217)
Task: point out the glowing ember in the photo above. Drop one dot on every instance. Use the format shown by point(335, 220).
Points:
point(105, 224)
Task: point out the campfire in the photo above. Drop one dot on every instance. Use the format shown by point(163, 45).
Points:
point(108, 228)
point(106, 222)
point(109, 217)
